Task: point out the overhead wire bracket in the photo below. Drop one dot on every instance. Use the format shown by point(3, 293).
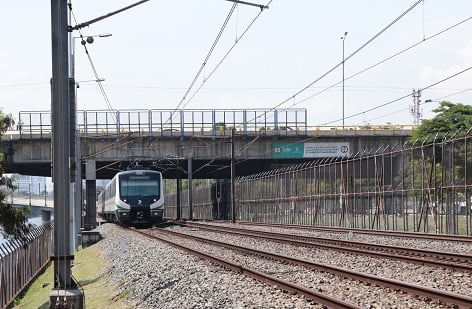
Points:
point(262, 7)
point(88, 23)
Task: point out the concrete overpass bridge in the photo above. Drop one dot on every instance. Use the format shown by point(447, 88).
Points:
point(41, 206)
point(203, 141)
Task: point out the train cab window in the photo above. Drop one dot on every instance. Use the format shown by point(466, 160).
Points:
point(139, 186)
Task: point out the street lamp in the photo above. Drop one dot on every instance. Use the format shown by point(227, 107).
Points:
point(84, 41)
point(343, 38)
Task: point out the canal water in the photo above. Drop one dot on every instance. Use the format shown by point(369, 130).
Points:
point(35, 220)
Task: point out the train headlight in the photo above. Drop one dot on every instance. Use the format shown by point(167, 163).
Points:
point(123, 214)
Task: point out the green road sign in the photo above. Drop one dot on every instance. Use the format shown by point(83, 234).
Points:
point(310, 150)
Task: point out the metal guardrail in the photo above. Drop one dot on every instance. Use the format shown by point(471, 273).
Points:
point(29, 198)
point(21, 263)
point(39, 201)
point(205, 122)
point(188, 123)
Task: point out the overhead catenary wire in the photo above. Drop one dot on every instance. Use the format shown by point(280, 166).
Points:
point(227, 53)
point(293, 96)
point(228, 17)
point(100, 85)
point(360, 113)
point(424, 103)
point(349, 56)
point(97, 78)
point(402, 97)
point(325, 88)
point(384, 60)
point(118, 144)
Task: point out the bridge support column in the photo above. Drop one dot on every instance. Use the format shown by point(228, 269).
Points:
point(90, 220)
point(45, 216)
point(190, 197)
point(178, 202)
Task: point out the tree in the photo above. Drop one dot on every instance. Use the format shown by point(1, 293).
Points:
point(449, 133)
point(450, 118)
point(452, 122)
point(13, 222)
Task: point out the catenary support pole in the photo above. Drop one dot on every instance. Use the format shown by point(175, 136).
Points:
point(64, 293)
point(233, 179)
point(190, 187)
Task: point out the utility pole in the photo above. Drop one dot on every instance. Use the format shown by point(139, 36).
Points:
point(65, 293)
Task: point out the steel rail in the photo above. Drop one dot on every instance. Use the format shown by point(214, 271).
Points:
point(450, 298)
point(459, 238)
point(418, 256)
point(324, 299)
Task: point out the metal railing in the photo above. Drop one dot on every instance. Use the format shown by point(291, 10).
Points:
point(180, 123)
point(21, 263)
point(187, 123)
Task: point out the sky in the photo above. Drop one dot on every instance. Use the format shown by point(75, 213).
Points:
point(290, 57)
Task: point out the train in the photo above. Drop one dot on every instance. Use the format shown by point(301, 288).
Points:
point(133, 197)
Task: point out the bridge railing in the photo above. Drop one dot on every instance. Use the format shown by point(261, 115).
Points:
point(154, 122)
point(188, 123)
point(41, 201)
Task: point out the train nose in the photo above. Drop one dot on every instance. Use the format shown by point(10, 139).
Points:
point(140, 215)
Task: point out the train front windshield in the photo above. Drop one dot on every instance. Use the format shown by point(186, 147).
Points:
point(146, 185)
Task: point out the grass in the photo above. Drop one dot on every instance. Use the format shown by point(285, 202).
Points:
point(89, 271)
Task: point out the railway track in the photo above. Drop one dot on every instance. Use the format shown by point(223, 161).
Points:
point(460, 238)
point(321, 298)
point(446, 297)
point(455, 261)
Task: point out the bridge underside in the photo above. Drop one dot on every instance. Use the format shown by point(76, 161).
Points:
point(210, 157)
point(171, 169)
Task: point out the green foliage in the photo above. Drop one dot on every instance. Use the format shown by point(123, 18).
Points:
point(6, 122)
point(171, 184)
point(449, 155)
point(451, 118)
point(13, 222)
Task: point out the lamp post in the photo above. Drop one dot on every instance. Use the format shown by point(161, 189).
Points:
point(84, 40)
point(343, 38)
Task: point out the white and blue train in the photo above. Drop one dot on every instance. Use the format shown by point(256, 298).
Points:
point(133, 197)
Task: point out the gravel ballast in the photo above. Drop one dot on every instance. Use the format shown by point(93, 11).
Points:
point(160, 276)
